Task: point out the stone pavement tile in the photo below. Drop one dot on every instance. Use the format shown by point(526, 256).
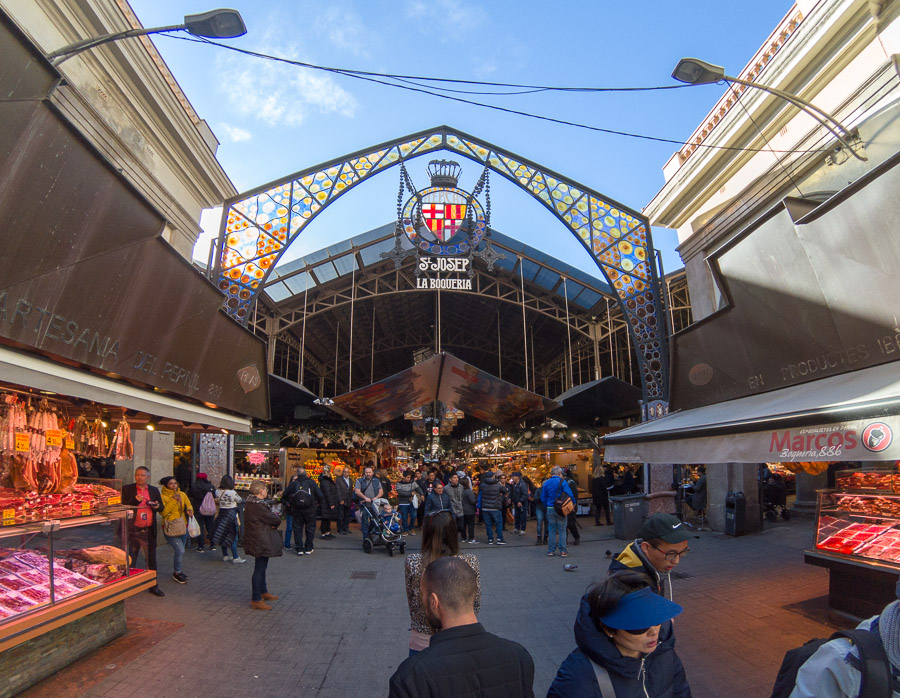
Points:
point(731, 637)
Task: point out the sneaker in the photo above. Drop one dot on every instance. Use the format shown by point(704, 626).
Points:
point(564, 554)
point(287, 547)
point(521, 533)
point(412, 532)
point(491, 542)
point(309, 552)
point(212, 548)
point(180, 577)
point(238, 561)
point(473, 541)
point(300, 553)
point(551, 553)
point(501, 542)
point(227, 558)
point(200, 550)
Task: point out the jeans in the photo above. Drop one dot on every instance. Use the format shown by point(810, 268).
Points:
point(521, 517)
point(177, 543)
point(205, 522)
point(234, 552)
point(288, 529)
point(258, 581)
point(407, 514)
point(364, 520)
point(541, 516)
point(556, 524)
point(492, 518)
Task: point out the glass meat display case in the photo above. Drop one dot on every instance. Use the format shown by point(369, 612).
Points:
point(44, 563)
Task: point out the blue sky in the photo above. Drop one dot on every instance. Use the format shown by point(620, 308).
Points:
point(273, 119)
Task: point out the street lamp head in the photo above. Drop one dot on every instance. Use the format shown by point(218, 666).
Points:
point(693, 71)
point(216, 24)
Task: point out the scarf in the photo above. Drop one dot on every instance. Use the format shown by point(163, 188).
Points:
point(889, 630)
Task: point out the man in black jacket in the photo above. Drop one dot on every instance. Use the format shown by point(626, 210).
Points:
point(463, 659)
point(141, 529)
point(519, 493)
point(303, 494)
point(345, 494)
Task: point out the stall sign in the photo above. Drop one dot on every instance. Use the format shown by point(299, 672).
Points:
point(112, 501)
point(256, 457)
point(54, 437)
point(69, 443)
point(23, 441)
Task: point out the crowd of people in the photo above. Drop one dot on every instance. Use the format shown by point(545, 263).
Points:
point(623, 632)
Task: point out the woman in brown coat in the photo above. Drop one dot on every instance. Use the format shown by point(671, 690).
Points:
point(261, 541)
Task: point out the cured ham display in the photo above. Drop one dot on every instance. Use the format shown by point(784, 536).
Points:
point(122, 446)
point(25, 580)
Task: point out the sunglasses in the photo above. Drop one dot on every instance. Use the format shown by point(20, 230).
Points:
point(671, 556)
point(641, 631)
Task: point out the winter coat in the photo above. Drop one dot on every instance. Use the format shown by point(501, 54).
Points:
point(426, 486)
point(538, 502)
point(633, 558)
point(261, 536)
point(456, 498)
point(491, 494)
point(437, 502)
point(175, 505)
point(628, 484)
point(405, 491)
point(344, 490)
point(698, 500)
point(519, 492)
point(659, 674)
point(833, 669)
point(306, 483)
point(550, 490)
point(599, 493)
point(198, 491)
point(470, 504)
point(329, 498)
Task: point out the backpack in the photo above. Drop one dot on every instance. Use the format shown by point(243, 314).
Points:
point(303, 498)
point(876, 680)
point(563, 504)
point(208, 505)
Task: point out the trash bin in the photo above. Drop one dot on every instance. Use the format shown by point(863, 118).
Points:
point(735, 514)
point(627, 515)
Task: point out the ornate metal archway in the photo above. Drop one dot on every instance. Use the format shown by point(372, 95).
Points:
point(258, 226)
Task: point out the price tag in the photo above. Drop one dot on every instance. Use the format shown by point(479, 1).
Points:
point(85, 508)
point(9, 513)
point(23, 441)
point(9, 522)
point(111, 501)
point(54, 437)
point(70, 444)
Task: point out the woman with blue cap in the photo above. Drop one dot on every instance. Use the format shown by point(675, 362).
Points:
point(625, 644)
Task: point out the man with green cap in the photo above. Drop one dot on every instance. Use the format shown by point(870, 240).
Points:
point(662, 544)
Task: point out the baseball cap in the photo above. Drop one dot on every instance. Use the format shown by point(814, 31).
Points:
point(666, 527)
point(640, 609)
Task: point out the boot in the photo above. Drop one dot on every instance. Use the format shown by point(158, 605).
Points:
point(538, 541)
point(269, 597)
point(260, 605)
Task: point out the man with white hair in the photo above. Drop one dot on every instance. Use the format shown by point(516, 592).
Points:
point(556, 522)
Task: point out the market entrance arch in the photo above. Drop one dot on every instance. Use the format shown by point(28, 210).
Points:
point(258, 227)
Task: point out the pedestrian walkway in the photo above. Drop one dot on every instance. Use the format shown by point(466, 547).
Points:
point(341, 625)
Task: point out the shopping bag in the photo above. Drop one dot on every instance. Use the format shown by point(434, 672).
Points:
point(208, 505)
point(193, 528)
point(415, 501)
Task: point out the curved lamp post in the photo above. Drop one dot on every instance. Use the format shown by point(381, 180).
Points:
point(693, 71)
point(215, 24)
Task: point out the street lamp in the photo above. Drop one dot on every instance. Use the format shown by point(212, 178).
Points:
point(215, 24)
point(693, 71)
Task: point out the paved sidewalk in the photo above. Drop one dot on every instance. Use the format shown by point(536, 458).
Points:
point(747, 600)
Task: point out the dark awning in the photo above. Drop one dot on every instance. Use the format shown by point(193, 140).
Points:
point(590, 404)
point(285, 396)
point(445, 378)
point(88, 281)
point(850, 417)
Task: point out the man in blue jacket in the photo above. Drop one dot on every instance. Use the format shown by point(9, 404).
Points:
point(556, 522)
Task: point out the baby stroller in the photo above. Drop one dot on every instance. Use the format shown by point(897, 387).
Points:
point(379, 533)
point(775, 499)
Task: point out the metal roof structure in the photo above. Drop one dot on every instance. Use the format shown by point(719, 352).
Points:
point(532, 321)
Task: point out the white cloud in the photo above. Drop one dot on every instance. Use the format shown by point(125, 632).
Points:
point(446, 15)
point(235, 134)
point(345, 30)
point(280, 94)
